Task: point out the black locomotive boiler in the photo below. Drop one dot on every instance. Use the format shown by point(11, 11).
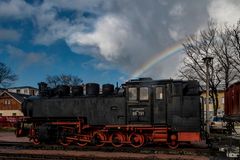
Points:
point(140, 111)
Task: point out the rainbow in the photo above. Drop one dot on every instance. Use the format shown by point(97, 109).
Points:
point(174, 49)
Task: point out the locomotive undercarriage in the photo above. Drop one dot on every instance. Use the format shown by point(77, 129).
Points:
point(78, 132)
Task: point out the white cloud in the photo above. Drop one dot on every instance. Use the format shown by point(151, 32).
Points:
point(9, 35)
point(99, 65)
point(15, 9)
point(110, 35)
point(102, 66)
point(174, 34)
point(224, 11)
point(28, 59)
point(177, 10)
point(123, 79)
point(125, 34)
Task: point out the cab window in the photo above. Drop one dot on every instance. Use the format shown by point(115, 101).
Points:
point(144, 93)
point(132, 94)
point(159, 93)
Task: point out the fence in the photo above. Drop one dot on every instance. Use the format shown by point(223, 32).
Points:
point(9, 121)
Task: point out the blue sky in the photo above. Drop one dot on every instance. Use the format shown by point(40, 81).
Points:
point(103, 41)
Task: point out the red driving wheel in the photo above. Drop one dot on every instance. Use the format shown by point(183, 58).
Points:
point(117, 139)
point(99, 137)
point(136, 140)
point(173, 144)
point(82, 141)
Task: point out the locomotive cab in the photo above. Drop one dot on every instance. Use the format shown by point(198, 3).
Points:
point(146, 102)
point(171, 103)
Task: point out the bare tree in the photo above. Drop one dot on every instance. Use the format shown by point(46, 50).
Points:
point(63, 79)
point(196, 48)
point(234, 33)
point(234, 36)
point(225, 57)
point(7, 77)
point(53, 81)
point(223, 45)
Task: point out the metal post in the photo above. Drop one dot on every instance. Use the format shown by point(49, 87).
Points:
point(207, 61)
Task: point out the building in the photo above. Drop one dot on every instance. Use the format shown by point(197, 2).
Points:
point(27, 90)
point(220, 103)
point(10, 103)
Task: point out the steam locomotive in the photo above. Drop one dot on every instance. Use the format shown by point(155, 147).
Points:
point(141, 111)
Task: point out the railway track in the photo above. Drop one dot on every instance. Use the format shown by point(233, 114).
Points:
point(150, 149)
point(29, 151)
point(17, 156)
point(75, 155)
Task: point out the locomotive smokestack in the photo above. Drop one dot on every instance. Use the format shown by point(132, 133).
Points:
point(42, 86)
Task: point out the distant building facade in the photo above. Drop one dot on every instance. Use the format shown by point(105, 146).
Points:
point(220, 103)
point(27, 90)
point(10, 103)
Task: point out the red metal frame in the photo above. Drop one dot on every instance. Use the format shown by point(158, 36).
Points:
point(9, 121)
point(135, 135)
point(189, 136)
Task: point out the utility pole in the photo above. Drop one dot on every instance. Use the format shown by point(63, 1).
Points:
point(207, 60)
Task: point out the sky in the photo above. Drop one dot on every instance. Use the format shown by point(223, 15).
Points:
point(103, 41)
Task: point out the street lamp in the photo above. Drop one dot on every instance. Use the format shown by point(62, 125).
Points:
point(207, 60)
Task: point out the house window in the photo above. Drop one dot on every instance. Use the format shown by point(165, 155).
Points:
point(18, 90)
point(25, 91)
point(132, 94)
point(14, 114)
point(222, 100)
point(7, 102)
point(144, 93)
point(159, 93)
